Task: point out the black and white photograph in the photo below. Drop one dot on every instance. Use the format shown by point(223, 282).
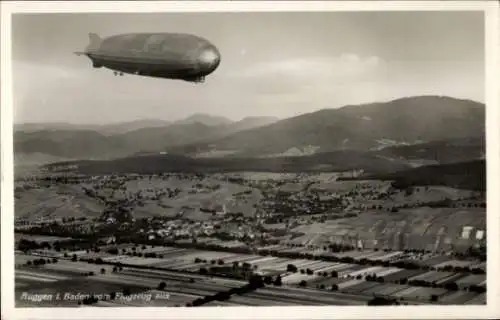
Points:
point(249, 158)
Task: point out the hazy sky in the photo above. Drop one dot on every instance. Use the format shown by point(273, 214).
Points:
point(276, 64)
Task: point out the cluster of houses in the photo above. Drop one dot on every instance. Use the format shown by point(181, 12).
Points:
point(192, 230)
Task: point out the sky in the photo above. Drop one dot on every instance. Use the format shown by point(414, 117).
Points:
point(273, 63)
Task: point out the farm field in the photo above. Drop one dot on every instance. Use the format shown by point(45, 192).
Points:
point(381, 229)
point(56, 202)
point(184, 260)
point(21, 259)
point(178, 290)
point(477, 300)
point(461, 297)
point(28, 277)
point(299, 296)
point(334, 242)
point(66, 277)
point(421, 293)
point(315, 275)
point(38, 238)
point(194, 194)
point(72, 201)
point(192, 259)
point(471, 280)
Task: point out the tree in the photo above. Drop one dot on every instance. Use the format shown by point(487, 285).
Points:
point(73, 258)
point(434, 298)
point(452, 286)
point(203, 271)
point(335, 274)
point(303, 283)
point(256, 281)
point(335, 287)
point(277, 281)
point(103, 271)
point(379, 301)
point(162, 285)
point(477, 289)
point(268, 280)
point(221, 296)
point(291, 268)
point(113, 251)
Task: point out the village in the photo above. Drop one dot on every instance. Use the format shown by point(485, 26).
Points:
point(301, 229)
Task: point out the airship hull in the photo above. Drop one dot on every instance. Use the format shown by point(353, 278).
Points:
point(163, 55)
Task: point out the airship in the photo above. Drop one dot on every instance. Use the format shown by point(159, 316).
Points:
point(174, 56)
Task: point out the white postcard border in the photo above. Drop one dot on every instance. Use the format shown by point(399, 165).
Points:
point(492, 310)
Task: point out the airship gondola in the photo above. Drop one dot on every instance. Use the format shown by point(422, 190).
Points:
point(161, 55)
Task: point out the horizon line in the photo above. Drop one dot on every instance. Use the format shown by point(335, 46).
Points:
point(246, 117)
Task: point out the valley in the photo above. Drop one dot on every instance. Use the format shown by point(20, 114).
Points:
point(379, 204)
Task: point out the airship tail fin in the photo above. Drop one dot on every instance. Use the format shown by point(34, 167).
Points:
point(95, 42)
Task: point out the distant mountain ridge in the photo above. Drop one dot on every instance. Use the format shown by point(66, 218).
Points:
point(106, 129)
point(122, 139)
point(205, 119)
point(377, 128)
point(409, 120)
